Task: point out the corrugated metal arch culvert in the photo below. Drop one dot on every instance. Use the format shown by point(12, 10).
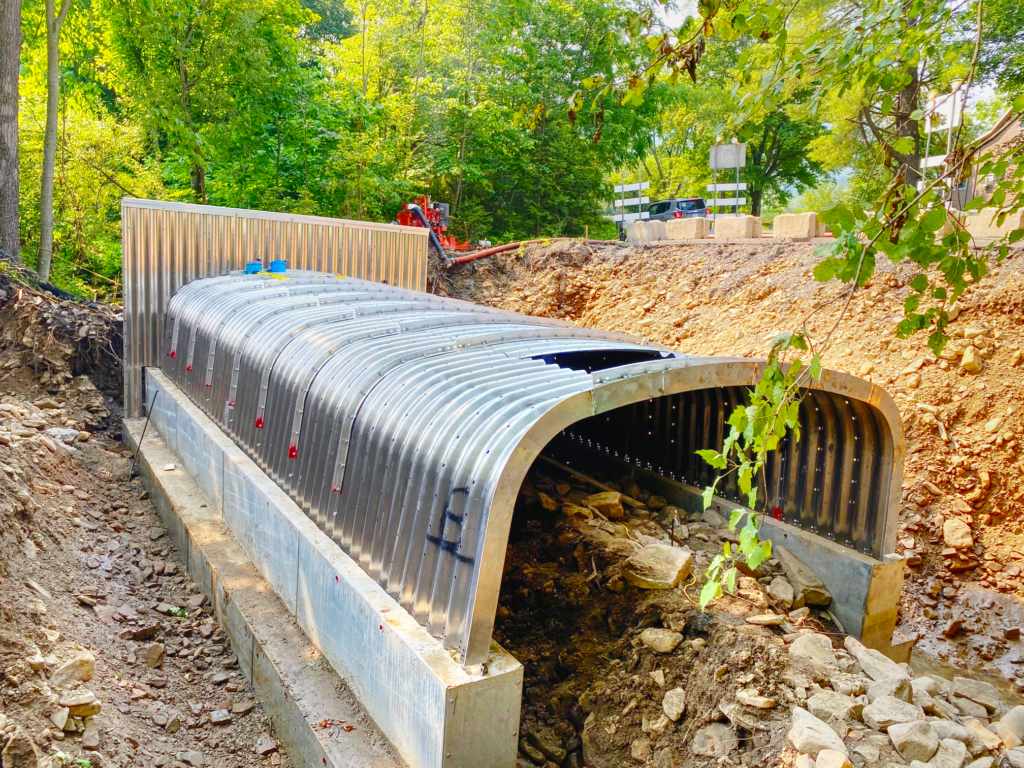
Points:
point(404, 424)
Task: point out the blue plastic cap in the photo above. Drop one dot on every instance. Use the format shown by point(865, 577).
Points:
point(252, 267)
point(278, 266)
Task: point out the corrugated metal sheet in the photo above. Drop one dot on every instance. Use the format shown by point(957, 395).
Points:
point(834, 481)
point(168, 245)
point(403, 424)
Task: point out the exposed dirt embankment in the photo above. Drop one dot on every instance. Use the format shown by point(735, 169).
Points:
point(963, 504)
point(109, 656)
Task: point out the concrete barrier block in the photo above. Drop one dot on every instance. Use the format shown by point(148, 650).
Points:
point(644, 232)
point(802, 226)
point(985, 223)
point(820, 228)
point(687, 229)
point(737, 227)
point(636, 233)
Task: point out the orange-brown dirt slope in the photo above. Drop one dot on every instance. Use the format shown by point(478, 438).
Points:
point(962, 523)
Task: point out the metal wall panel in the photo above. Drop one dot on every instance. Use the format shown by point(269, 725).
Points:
point(832, 482)
point(168, 245)
point(403, 424)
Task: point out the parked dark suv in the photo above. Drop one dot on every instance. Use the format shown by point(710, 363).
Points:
point(678, 208)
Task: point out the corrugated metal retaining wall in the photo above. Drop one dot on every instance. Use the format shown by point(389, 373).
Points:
point(403, 424)
point(166, 245)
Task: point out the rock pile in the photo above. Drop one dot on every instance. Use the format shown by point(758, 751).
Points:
point(856, 702)
point(108, 655)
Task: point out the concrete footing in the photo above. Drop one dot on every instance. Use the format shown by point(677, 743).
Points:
point(296, 692)
point(434, 711)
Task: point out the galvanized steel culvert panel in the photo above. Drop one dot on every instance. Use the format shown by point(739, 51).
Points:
point(403, 424)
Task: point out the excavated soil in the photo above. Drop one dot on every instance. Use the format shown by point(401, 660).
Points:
point(108, 655)
point(963, 470)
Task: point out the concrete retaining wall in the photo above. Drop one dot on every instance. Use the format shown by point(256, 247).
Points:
point(434, 711)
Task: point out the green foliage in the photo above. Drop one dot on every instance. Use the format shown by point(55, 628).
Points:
point(755, 430)
point(861, 67)
point(345, 109)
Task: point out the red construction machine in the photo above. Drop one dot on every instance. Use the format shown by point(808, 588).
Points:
point(434, 216)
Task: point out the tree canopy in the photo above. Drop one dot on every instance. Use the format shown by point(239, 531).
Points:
point(520, 114)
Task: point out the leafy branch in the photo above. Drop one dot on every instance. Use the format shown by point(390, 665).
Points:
point(756, 430)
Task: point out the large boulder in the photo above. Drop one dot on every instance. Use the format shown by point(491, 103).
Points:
point(915, 740)
point(887, 711)
point(608, 504)
point(898, 687)
point(1012, 723)
point(977, 691)
point(807, 587)
point(811, 735)
point(831, 707)
point(815, 648)
point(875, 664)
point(657, 566)
point(78, 669)
point(951, 754)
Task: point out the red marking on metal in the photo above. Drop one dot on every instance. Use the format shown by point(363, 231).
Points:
point(381, 627)
point(209, 384)
point(231, 403)
point(173, 353)
point(187, 367)
point(293, 452)
point(777, 513)
point(336, 488)
point(259, 423)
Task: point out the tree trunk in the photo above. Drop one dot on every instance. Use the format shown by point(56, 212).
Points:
point(53, 25)
point(906, 104)
point(755, 202)
point(10, 50)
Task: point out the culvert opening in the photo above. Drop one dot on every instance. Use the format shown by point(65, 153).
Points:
point(616, 672)
point(620, 664)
